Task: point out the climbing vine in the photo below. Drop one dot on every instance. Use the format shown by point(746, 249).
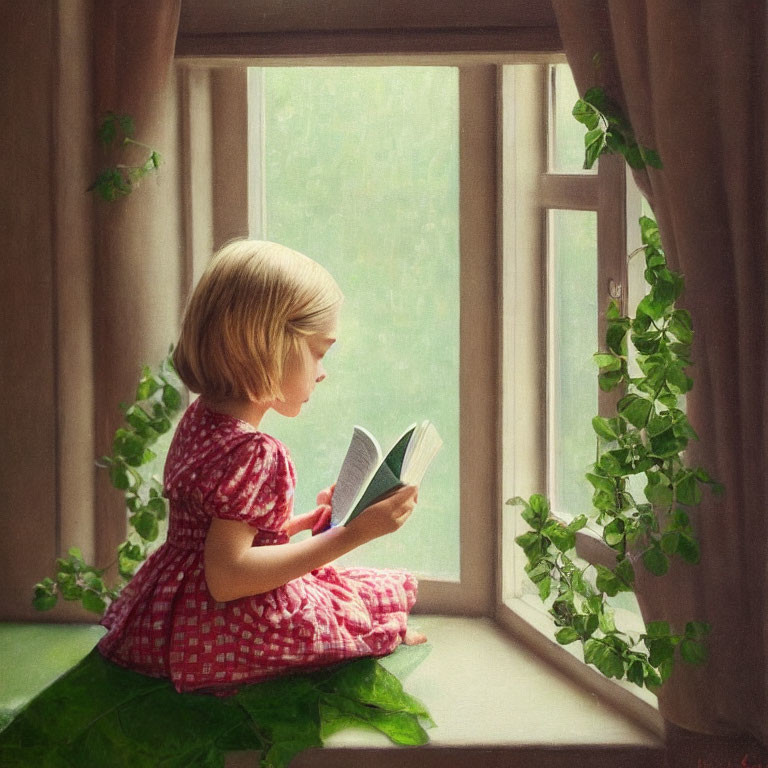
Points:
point(158, 404)
point(115, 133)
point(646, 438)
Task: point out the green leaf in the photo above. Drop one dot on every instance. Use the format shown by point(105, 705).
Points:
point(613, 533)
point(145, 524)
point(655, 561)
point(608, 381)
point(649, 231)
point(566, 635)
point(635, 673)
point(696, 630)
point(651, 157)
point(596, 97)
point(171, 398)
point(681, 326)
point(544, 587)
point(93, 581)
point(577, 523)
point(625, 573)
point(119, 477)
point(660, 649)
point(537, 511)
point(688, 491)
point(157, 507)
point(688, 549)
point(693, 652)
point(616, 336)
point(604, 658)
point(561, 536)
point(606, 581)
point(93, 602)
point(68, 586)
point(657, 629)
point(666, 444)
point(607, 362)
point(591, 154)
point(45, 598)
point(606, 620)
point(633, 156)
point(604, 428)
point(670, 542)
point(635, 409)
point(585, 625)
point(148, 385)
point(602, 483)
point(584, 113)
point(400, 727)
point(660, 494)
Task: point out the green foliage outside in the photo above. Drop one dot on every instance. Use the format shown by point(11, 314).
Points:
point(646, 438)
point(361, 167)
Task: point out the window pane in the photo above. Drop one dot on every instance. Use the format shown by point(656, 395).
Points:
point(572, 375)
point(361, 172)
point(566, 135)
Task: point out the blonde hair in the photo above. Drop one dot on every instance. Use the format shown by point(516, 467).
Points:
point(248, 314)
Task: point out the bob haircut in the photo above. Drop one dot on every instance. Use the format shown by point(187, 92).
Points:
point(252, 308)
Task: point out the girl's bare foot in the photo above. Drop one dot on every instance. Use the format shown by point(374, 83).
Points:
point(412, 637)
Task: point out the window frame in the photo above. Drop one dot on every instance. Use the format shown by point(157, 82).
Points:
point(214, 109)
point(529, 191)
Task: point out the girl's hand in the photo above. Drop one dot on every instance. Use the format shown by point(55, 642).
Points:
point(387, 515)
point(317, 520)
point(325, 496)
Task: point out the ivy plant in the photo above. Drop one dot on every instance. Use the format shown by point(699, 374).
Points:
point(116, 133)
point(157, 407)
point(646, 438)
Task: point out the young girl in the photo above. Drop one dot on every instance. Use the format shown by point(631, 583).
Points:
point(227, 599)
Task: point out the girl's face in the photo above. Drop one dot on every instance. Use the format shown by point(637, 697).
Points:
point(304, 370)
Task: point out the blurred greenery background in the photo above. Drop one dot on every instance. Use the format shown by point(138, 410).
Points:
point(361, 174)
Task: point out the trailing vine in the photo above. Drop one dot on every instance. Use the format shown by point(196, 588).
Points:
point(119, 180)
point(158, 404)
point(647, 437)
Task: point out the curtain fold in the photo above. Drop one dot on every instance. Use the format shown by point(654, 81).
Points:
point(138, 262)
point(693, 81)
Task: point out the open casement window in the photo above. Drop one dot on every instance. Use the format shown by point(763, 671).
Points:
point(566, 235)
point(446, 201)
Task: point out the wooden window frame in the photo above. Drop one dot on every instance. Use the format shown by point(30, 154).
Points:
point(501, 200)
point(528, 191)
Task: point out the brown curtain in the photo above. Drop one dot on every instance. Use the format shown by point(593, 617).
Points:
point(137, 273)
point(692, 78)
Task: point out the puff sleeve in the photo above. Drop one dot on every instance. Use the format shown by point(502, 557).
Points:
point(254, 484)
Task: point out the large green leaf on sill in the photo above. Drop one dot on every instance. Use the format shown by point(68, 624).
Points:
point(99, 714)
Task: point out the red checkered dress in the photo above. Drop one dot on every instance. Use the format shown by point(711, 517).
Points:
point(165, 622)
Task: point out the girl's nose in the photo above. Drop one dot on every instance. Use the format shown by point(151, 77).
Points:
point(320, 374)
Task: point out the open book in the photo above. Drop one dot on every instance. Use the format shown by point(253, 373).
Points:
point(365, 478)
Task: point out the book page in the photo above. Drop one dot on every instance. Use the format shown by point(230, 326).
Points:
point(363, 456)
point(381, 484)
point(422, 449)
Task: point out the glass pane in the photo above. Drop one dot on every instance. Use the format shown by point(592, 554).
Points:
point(362, 175)
point(566, 135)
point(572, 374)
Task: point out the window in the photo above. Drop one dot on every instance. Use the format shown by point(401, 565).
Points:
point(474, 170)
point(565, 245)
point(360, 170)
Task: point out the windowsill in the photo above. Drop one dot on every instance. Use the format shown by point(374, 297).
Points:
point(491, 699)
